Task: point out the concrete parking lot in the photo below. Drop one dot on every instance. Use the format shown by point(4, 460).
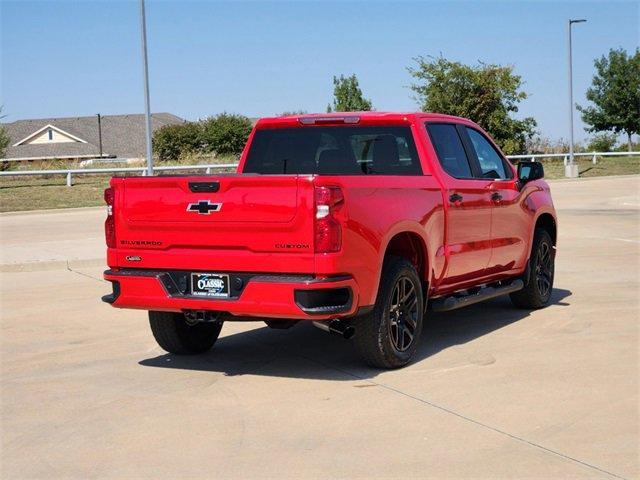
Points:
point(495, 392)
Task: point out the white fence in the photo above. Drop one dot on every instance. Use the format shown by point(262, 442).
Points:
point(208, 168)
point(92, 171)
point(565, 156)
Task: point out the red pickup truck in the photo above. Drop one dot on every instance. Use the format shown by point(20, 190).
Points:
point(352, 221)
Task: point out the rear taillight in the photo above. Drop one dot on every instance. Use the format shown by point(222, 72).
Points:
point(328, 232)
point(110, 223)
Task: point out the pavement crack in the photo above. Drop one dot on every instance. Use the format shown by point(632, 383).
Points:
point(468, 419)
point(84, 274)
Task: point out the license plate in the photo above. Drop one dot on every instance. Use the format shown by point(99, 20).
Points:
point(214, 285)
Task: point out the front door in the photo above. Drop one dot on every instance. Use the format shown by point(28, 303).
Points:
point(509, 224)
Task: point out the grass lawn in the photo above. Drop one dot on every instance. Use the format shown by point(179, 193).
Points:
point(46, 192)
point(604, 167)
point(39, 192)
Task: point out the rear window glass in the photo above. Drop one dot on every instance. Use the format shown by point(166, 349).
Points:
point(334, 151)
point(449, 148)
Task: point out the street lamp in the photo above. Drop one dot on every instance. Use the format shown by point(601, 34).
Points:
point(99, 133)
point(145, 66)
point(571, 169)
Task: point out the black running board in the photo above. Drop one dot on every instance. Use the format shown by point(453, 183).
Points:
point(454, 302)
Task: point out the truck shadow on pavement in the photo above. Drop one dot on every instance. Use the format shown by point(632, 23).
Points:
point(306, 352)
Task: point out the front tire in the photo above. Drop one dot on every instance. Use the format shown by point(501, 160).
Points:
point(388, 336)
point(539, 279)
point(176, 335)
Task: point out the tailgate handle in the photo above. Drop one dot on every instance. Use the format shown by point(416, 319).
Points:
point(204, 186)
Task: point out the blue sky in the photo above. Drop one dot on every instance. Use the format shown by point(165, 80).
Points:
point(261, 58)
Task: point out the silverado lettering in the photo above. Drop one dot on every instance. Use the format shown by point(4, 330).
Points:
point(141, 242)
point(384, 214)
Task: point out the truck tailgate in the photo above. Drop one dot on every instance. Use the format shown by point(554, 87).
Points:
point(217, 222)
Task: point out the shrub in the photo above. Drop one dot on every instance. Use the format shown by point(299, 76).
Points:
point(289, 113)
point(225, 133)
point(170, 142)
point(624, 147)
point(4, 137)
point(602, 142)
point(4, 141)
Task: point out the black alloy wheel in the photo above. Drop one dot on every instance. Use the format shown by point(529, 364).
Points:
point(544, 269)
point(403, 314)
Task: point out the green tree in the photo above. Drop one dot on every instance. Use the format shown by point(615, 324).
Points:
point(487, 94)
point(289, 113)
point(347, 96)
point(602, 142)
point(225, 133)
point(4, 137)
point(615, 95)
point(170, 142)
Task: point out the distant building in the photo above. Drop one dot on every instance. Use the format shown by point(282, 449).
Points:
point(78, 138)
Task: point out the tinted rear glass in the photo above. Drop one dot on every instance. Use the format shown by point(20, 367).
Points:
point(334, 151)
point(449, 148)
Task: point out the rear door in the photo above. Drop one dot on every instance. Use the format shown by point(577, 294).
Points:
point(468, 232)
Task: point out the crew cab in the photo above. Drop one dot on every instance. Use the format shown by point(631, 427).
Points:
point(357, 222)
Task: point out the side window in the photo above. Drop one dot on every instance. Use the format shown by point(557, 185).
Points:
point(490, 161)
point(389, 152)
point(449, 148)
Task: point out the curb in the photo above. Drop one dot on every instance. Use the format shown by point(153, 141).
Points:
point(52, 265)
point(53, 210)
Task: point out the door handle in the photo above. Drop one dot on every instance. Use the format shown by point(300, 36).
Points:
point(496, 197)
point(455, 197)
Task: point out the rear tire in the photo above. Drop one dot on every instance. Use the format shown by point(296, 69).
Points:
point(175, 335)
point(539, 278)
point(388, 336)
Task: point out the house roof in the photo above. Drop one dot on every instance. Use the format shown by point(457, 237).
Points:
point(122, 136)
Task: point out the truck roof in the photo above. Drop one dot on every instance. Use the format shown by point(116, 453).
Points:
point(363, 118)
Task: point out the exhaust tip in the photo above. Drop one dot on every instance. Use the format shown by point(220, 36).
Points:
point(337, 327)
point(349, 332)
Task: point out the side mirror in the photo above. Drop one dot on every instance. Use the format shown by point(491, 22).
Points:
point(528, 171)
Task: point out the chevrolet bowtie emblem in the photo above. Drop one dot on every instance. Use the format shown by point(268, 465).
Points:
point(204, 207)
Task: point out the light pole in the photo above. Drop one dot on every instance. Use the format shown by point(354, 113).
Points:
point(99, 133)
point(147, 111)
point(571, 169)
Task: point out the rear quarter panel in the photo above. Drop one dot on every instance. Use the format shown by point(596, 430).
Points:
point(377, 208)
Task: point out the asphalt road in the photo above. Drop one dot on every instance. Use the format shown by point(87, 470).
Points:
point(495, 392)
